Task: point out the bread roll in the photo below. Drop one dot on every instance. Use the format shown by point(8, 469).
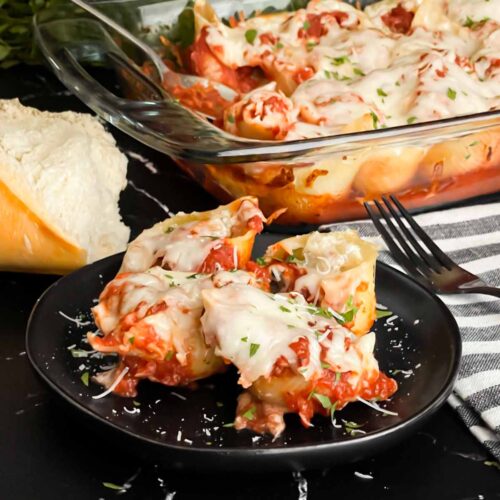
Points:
point(61, 175)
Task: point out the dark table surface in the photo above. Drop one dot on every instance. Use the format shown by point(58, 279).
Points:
point(46, 452)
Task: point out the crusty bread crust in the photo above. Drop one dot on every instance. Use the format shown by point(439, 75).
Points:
point(61, 175)
point(28, 244)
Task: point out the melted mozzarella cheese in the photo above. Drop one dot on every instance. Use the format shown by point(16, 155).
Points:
point(183, 242)
point(459, 93)
point(253, 329)
point(328, 253)
point(461, 11)
point(174, 325)
point(362, 69)
point(326, 256)
point(329, 102)
point(333, 266)
point(184, 248)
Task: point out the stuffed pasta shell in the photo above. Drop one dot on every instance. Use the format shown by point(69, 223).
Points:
point(152, 321)
point(291, 356)
point(200, 241)
point(334, 270)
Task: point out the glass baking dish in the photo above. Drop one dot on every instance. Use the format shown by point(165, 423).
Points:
point(318, 181)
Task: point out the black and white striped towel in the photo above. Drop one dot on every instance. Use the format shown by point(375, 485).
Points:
point(471, 237)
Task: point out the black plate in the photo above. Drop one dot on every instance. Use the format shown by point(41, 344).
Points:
point(184, 428)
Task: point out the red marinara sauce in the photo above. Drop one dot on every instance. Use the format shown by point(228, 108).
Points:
point(316, 25)
point(339, 391)
point(255, 223)
point(204, 62)
point(261, 273)
point(221, 257)
point(398, 20)
point(168, 372)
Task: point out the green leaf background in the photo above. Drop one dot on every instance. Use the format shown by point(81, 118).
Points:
point(16, 30)
point(16, 27)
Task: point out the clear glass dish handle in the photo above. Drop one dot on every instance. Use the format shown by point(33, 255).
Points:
point(157, 120)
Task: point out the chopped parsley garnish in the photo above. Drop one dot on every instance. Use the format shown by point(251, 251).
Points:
point(231, 424)
point(336, 75)
point(230, 118)
point(352, 428)
point(467, 156)
point(169, 276)
point(358, 72)
point(113, 486)
point(470, 23)
point(285, 309)
point(295, 256)
point(382, 313)
point(79, 353)
point(260, 261)
point(350, 312)
point(291, 326)
point(136, 403)
point(131, 339)
point(306, 25)
point(320, 311)
point(279, 45)
point(398, 84)
point(411, 119)
point(381, 92)
point(452, 94)
point(324, 400)
point(192, 276)
point(337, 377)
point(472, 144)
point(244, 339)
point(352, 425)
point(253, 349)
point(250, 413)
point(338, 61)
point(250, 36)
point(325, 366)
point(374, 119)
point(169, 229)
point(311, 45)
point(169, 355)
point(85, 378)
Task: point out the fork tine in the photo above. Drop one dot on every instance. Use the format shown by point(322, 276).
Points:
point(436, 252)
point(429, 259)
point(396, 252)
point(412, 256)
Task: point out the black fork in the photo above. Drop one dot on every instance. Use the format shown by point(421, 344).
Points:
point(423, 259)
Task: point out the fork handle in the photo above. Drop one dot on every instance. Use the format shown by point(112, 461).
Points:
point(485, 290)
